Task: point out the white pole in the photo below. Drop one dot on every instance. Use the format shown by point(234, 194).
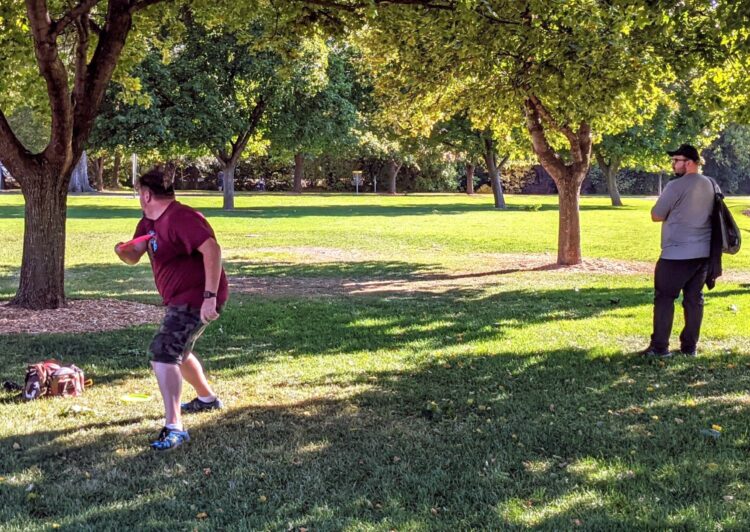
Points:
point(374, 184)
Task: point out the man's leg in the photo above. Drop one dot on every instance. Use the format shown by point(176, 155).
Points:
point(692, 304)
point(170, 385)
point(167, 350)
point(667, 287)
point(192, 371)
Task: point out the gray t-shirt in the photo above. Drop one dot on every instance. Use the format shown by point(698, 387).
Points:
point(686, 204)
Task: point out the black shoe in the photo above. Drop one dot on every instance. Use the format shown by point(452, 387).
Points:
point(689, 352)
point(196, 405)
point(653, 354)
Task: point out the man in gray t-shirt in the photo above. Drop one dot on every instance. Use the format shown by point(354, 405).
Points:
point(684, 208)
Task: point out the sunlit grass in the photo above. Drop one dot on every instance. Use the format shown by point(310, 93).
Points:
point(513, 402)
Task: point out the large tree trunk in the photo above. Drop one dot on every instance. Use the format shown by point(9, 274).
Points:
point(567, 177)
point(469, 178)
point(392, 169)
point(610, 173)
point(42, 280)
point(299, 171)
point(490, 159)
point(569, 229)
point(79, 179)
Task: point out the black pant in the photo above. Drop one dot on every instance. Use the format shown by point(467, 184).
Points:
point(671, 277)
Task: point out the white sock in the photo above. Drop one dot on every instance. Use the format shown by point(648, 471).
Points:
point(174, 426)
point(207, 399)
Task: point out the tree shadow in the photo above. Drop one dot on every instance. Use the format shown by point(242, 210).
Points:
point(462, 442)
point(97, 211)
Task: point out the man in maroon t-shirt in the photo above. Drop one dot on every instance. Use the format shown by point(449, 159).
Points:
point(186, 261)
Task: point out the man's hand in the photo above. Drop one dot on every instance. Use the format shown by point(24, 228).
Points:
point(208, 310)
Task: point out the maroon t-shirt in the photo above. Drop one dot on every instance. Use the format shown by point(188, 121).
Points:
point(173, 250)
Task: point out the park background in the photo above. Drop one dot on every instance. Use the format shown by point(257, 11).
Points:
point(413, 359)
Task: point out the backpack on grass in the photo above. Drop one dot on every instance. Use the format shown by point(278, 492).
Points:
point(51, 378)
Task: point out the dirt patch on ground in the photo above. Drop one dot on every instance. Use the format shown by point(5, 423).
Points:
point(318, 254)
point(746, 213)
point(79, 316)
point(434, 283)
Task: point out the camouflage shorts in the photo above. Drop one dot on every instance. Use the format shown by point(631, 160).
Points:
point(176, 337)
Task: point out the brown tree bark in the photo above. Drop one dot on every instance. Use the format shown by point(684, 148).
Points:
point(493, 168)
point(74, 105)
point(567, 177)
point(392, 169)
point(299, 172)
point(470, 178)
point(229, 159)
point(43, 278)
point(99, 173)
point(610, 174)
point(114, 181)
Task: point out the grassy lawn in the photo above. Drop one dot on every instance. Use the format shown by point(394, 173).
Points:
point(512, 402)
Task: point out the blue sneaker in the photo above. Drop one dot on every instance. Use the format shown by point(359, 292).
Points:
point(170, 439)
point(196, 405)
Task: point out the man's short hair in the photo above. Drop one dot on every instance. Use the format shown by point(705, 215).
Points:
point(158, 183)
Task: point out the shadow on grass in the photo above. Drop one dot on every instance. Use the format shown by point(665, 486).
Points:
point(553, 441)
point(104, 212)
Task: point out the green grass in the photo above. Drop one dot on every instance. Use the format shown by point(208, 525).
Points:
point(516, 403)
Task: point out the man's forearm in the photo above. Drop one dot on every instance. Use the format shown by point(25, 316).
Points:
point(129, 255)
point(211, 264)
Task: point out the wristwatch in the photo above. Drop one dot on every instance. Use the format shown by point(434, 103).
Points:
point(208, 295)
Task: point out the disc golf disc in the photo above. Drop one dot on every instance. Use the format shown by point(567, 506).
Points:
point(136, 397)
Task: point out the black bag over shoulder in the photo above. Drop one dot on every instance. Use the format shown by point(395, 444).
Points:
point(725, 236)
point(731, 239)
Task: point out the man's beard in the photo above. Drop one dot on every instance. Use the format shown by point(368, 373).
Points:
point(679, 174)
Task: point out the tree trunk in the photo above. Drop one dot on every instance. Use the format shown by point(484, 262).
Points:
point(469, 178)
point(228, 181)
point(299, 171)
point(114, 181)
point(42, 282)
point(79, 179)
point(567, 177)
point(569, 230)
point(99, 168)
point(610, 173)
point(490, 159)
point(392, 169)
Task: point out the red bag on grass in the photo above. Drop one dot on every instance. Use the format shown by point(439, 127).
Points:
point(52, 378)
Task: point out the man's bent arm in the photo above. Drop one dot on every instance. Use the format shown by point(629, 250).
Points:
point(131, 254)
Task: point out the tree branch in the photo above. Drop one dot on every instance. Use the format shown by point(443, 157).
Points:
point(14, 154)
point(99, 71)
point(143, 4)
point(355, 6)
point(83, 7)
point(574, 139)
point(53, 71)
point(547, 156)
point(82, 48)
